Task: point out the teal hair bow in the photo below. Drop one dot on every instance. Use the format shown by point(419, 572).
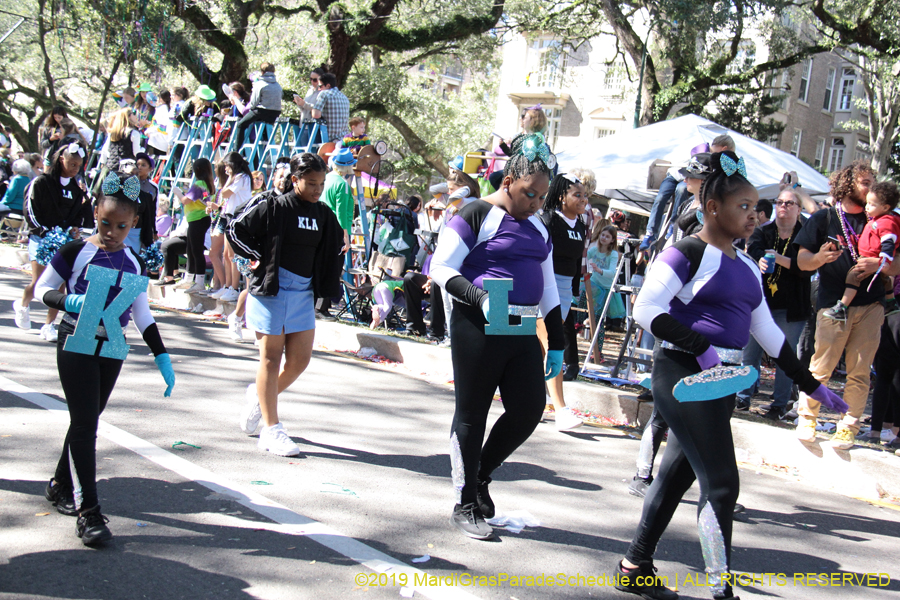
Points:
point(131, 188)
point(534, 147)
point(730, 167)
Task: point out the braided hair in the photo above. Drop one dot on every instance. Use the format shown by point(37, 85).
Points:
point(301, 164)
point(559, 187)
point(718, 184)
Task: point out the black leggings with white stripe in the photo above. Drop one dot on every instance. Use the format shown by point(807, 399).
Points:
point(481, 364)
point(87, 383)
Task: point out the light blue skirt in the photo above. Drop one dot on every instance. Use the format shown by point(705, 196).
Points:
point(291, 311)
point(34, 242)
point(133, 240)
point(564, 285)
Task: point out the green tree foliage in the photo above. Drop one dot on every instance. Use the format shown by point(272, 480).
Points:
point(750, 115)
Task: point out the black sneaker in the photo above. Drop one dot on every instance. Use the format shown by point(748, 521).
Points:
point(570, 372)
point(468, 519)
point(62, 498)
point(645, 396)
point(743, 404)
point(91, 527)
point(739, 508)
point(639, 486)
point(635, 581)
point(774, 414)
point(485, 504)
point(838, 312)
point(891, 307)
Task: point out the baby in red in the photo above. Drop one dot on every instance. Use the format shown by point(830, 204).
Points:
point(878, 239)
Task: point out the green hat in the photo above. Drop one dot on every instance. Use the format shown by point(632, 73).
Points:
point(205, 93)
point(145, 87)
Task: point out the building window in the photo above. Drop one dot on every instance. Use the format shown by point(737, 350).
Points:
point(848, 81)
point(599, 132)
point(552, 133)
point(615, 76)
point(820, 153)
point(795, 143)
point(774, 140)
point(551, 63)
point(837, 158)
point(805, 71)
point(785, 88)
point(829, 88)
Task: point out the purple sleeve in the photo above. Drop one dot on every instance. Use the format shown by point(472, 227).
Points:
point(677, 261)
point(464, 230)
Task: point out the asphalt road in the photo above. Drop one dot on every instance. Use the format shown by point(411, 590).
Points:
point(369, 493)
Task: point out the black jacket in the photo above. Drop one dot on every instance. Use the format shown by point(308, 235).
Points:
point(48, 204)
point(794, 283)
point(257, 233)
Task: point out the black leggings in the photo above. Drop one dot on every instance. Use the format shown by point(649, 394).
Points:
point(481, 363)
point(196, 236)
point(87, 383)
point(172, 248)
point(700, 447)
point(886, 396)
point(651, 439)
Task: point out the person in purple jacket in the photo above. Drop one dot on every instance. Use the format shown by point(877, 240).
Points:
point(498, 237)
point(702, 299)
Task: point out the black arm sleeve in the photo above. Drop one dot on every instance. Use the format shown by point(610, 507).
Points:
point(666, 327)
point(556, 337)
point(55, 299)
point(790, 364)
point(154, 340)
point(464, 290)
point(756, 245)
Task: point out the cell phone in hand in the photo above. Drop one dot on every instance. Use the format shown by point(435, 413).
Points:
point(786, 179)
point(835, 241)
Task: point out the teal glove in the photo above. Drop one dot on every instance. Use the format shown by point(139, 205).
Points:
point(554, 364)
point(74, 302)
point(486, 309)
point(164, 364)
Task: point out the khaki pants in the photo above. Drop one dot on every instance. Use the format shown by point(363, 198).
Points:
point(859, 338)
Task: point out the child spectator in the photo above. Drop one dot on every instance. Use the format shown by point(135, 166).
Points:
point(163, 219)
point(357, 138)
point(878, 239)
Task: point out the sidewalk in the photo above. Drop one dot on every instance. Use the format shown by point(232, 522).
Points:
point(861, 472)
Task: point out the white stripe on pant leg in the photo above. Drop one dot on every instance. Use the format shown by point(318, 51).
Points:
point(287, 521)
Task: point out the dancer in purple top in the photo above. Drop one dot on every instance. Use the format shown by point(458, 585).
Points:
point(497, 237)
point(702, 299)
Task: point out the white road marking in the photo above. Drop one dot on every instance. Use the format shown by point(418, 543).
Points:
point(290, 522)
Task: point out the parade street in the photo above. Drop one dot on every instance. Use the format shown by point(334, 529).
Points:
point(197, 511)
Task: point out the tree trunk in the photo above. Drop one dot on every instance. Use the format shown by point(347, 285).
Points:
point(430, 155)
point(884, 139)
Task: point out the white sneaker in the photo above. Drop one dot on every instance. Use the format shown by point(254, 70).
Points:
point(49, 333)
point(275, 439)
point(186, 282)
point(236, 327)
point(566, 420)
point(215, 294)
point(251, 413)
point(23, 315)
point(230, 295)
point(196, 288)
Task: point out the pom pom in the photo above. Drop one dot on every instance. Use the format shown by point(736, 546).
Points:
point(152, 257)
point(55, 239)
point(243, 266)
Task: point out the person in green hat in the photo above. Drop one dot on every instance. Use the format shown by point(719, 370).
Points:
point(200, 103)
point(142, 107)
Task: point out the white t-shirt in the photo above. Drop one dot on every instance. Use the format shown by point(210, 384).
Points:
point(242, 188)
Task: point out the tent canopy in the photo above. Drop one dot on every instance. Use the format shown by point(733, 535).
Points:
point(621, 162)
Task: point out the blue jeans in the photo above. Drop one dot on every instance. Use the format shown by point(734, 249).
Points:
point(669, 189)
point(753, 356)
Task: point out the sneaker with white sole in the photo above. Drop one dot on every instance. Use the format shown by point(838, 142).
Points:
point(251, 413)
point(236, 327)
point(186, 282)
point(23, 315)
point(49, 333)
point(806, 429)
point(275, 439)
point(198, 287)
point(843, 439)
point(230, 295)
point(566, 420)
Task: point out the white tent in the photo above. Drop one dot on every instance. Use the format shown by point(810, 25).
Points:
point(621, 162)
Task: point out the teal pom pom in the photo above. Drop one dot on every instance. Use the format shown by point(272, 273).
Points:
point(55, 239)
point(152, 257)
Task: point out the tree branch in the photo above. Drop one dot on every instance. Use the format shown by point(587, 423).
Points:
point(429, 154)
